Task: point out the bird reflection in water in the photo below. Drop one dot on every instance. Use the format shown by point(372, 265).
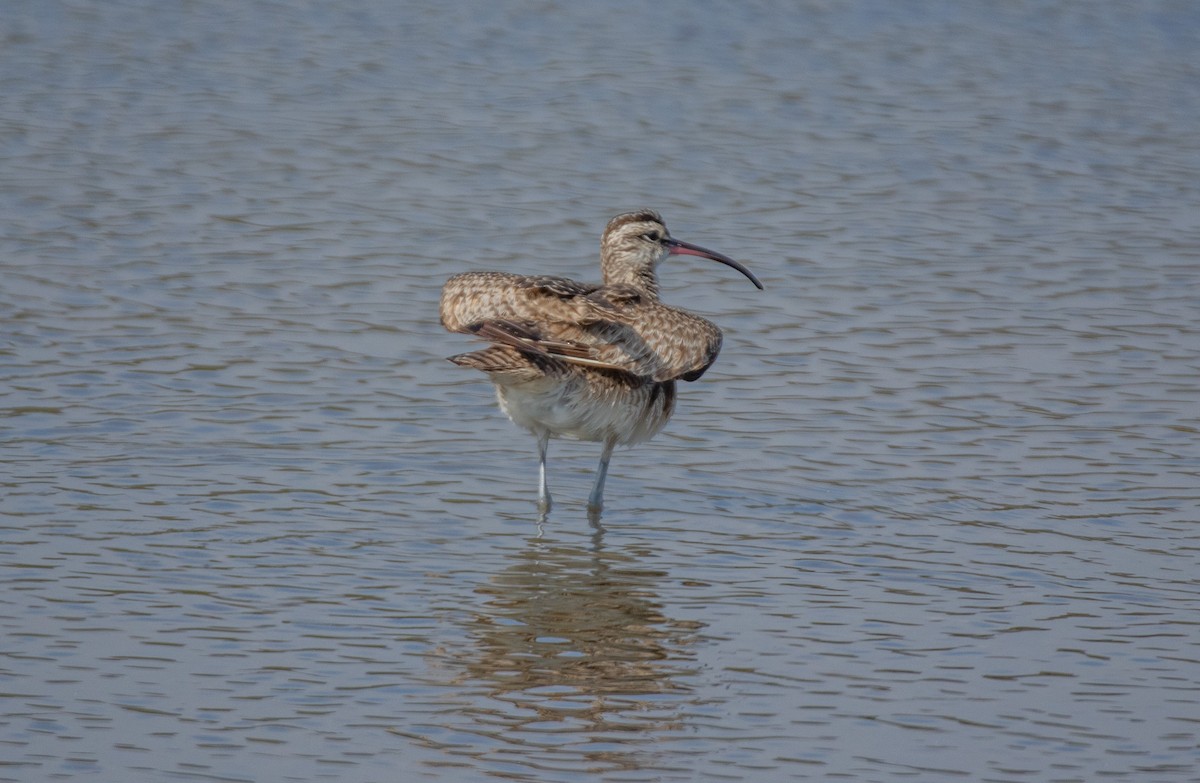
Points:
point(572, 641)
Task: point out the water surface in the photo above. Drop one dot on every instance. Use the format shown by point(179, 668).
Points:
point(931, 516)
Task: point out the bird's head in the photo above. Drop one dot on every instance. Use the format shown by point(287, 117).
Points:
point(634, 243)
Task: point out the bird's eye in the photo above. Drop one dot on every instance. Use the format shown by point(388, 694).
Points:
point(653, 236)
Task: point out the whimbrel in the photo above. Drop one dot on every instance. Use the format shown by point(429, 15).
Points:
point(592, 361)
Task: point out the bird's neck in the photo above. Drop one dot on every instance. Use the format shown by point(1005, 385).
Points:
point(643, 279)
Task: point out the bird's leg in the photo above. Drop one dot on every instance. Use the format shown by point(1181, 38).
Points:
point(543, 488)
point(596, 499)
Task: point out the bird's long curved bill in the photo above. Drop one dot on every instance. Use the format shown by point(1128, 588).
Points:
point(677, 248)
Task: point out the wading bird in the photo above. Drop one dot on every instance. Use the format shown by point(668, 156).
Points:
point(592, 361)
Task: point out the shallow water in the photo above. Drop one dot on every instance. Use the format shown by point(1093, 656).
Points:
point(931, 516)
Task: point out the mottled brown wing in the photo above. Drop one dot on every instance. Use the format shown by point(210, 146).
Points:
point(504, 364)
point(681, 346)
point(609, 328)
point(472, 298)
point(531, 338)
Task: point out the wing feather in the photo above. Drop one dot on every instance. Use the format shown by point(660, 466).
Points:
point(612, 328)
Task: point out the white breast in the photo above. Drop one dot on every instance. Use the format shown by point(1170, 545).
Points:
point(582, 410)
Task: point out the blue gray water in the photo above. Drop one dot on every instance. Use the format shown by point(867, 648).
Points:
point(932, 516)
